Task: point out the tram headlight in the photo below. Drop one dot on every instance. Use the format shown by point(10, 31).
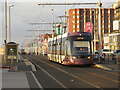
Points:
point(88, 57)
point(74, 57)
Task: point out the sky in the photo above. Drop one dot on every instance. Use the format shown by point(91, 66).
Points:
point(25, 12)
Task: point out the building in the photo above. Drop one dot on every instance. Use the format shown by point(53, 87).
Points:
point(2, 53)
point(79, 17)
point(112, 40)
point(2, 50)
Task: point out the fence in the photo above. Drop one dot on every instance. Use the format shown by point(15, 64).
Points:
point(109, 59)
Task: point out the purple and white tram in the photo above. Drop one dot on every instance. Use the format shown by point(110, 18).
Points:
point(71, 48)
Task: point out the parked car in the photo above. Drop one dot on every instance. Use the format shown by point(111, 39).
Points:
point(116, 51)
point(107, 51)
point(117, 56)
point(96, 55)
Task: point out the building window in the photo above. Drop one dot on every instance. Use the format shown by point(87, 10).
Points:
point(73, 12)
point(73, 21)
point(102, 26)
point(77, 26)
point(108, 26)
point(77, 12)
point(73, 26)
point(73, 17)
point(77, 16)
point(77, 21)
point(103, 21)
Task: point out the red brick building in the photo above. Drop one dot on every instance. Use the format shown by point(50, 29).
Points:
point(79, 17)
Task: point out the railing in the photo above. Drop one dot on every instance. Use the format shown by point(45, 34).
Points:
point(108, 59)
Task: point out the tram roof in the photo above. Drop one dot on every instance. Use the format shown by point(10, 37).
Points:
point(68, 34)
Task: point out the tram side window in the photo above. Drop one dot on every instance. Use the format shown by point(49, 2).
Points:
point(68, 48)
point(50, 49)
point(58, 48)
point(63, 48)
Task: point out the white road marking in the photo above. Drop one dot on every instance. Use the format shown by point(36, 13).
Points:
point(69, 74)
point(49, 75)
point(39, 85)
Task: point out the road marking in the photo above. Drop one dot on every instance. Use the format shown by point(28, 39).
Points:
point(69, 74)
point(49, 75)
point(39, 85)
point(33, 67)
point(27, 62)
point(101, 67)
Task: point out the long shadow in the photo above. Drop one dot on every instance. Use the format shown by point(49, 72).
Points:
point(72, 66)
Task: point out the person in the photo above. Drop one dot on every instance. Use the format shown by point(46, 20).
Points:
point(113, 58)
point(103, 57)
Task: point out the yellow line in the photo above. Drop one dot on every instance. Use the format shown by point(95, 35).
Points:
point(101, 67)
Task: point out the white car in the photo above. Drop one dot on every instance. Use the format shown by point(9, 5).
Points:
point(107, 51)
point(96, 55)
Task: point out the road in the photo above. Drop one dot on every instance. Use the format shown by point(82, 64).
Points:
point(54, 75)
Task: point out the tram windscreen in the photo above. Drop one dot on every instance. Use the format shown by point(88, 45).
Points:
point(81, 48)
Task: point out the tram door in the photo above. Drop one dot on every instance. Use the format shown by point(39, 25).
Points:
point(11, 52)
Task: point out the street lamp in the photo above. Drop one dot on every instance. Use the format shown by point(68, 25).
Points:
point(99, 30)
point(5, 22)
point(9, 25)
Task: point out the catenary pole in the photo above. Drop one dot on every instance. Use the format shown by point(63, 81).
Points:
point(99, 31)
point(5, 21)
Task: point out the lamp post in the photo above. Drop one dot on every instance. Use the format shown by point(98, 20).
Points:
point(9, 25)
point(99, 30)
point(5, 21)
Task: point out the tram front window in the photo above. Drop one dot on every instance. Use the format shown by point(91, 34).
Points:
point(81, 48)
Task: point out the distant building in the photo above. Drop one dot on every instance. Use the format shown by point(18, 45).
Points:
point(112, 40)
point(2, 53)
point(2, 50)
point(79, 17)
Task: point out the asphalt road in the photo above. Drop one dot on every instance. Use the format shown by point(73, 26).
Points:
point(54, 75)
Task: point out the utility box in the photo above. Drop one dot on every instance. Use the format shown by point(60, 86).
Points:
point(11, 52)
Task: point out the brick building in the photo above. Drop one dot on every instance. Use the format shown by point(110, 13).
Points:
point(79, 17)
point(112, 40)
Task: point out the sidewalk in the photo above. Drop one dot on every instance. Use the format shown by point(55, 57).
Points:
point(14, 79)
point(17, 76)
point(107, 64)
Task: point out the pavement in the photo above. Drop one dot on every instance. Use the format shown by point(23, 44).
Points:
point(20, 75)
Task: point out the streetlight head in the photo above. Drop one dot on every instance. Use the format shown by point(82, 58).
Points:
point(11, 5)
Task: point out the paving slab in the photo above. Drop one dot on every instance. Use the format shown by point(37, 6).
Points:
point(14, 79)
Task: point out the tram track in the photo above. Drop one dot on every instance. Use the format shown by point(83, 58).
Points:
point(102, 76)
point(93, 86)
point(66, 73)
point(95, 68)
point(105, 71)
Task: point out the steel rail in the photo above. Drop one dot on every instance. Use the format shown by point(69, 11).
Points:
point(68, 73)
point(48, 74)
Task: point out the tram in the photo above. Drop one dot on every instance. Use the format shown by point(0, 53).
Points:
point(71, 48)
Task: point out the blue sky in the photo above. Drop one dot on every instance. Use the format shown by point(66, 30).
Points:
point(27, 11)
